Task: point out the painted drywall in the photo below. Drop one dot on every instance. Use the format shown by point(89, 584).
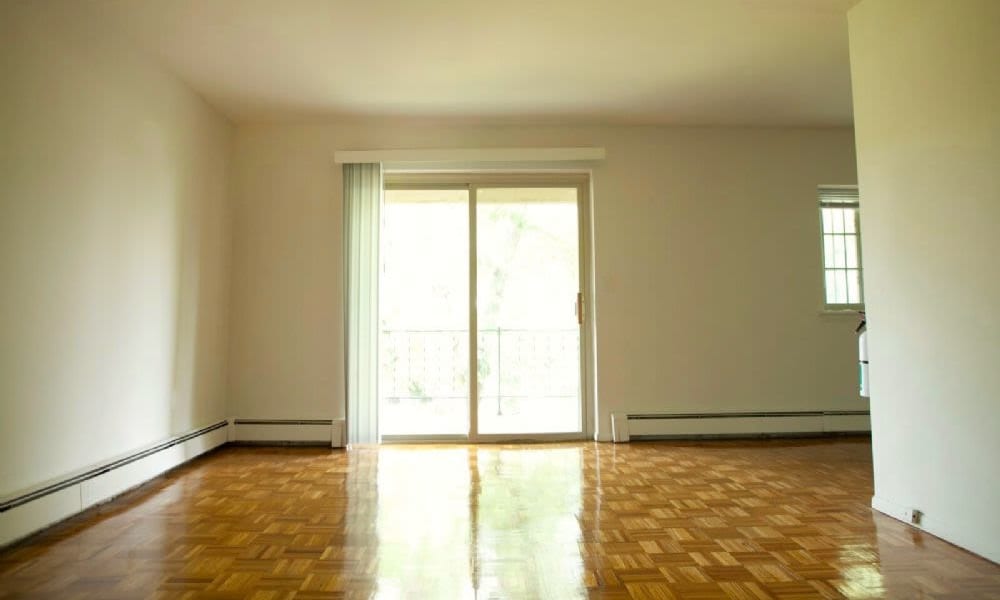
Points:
point(926, 89)
point(114, 245)
point(708, 283)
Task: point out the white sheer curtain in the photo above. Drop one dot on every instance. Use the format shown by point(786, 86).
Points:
point(362, 202)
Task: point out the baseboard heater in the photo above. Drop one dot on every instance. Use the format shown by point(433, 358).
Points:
point(105, 468)
point(659, 426)
point(292, 432)
point(31, 511)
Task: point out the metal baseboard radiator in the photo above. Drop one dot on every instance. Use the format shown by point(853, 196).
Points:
point(24, 513)
point(106, 468)
point(288, 432)
point(657, 426)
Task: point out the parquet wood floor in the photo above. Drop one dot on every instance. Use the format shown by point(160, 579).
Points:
point(735, 520)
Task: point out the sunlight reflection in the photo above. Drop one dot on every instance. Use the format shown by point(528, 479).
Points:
point(527, 512)
point(862, 581)
point(467, 522)
point(423, 523)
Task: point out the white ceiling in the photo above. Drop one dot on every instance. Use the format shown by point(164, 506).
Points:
point(726, 62)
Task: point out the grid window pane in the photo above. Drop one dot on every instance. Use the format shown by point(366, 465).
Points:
point(842, 261)
point(831, 287)
point(839, 255)
point(851, 246)
point(850, 220)
point(853, 286)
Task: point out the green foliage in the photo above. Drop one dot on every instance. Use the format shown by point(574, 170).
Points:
point(417, 391)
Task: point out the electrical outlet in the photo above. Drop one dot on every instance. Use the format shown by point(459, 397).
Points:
point(916, 516)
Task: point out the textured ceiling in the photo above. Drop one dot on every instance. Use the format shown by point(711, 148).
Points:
point(703, 62)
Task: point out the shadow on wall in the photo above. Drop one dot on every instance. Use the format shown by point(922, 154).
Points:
point(200, 339)
point(114, 221)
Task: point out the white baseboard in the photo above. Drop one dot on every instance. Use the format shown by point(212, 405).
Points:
point(626, 427)
point(728, 426)
point(289, 431)
point(24, 520)
point(840, 423)
point(35, 514)
point(620, 432)
point(896, 511)
point(337, 437)
point(972, 538)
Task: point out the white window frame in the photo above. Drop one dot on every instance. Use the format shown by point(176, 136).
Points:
point(473, 181)
point(840, 196)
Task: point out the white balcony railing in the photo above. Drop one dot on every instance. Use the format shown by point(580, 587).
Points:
point(514, 365)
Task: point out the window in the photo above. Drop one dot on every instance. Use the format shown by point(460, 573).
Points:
point(838, 208)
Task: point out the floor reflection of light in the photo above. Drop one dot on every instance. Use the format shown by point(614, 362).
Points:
point(861, 572)
point(862, 581)
point(467, 522)
point(422, 523)
point(528, 528)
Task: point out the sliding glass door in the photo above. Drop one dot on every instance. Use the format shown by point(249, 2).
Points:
point(480, 310)
point(424, 313)
point(528, 278)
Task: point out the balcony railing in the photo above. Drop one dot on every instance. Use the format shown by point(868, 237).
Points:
point(514, 365)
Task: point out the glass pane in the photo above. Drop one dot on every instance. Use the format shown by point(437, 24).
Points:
point(851, 247)
point(827, 220)
point(839, 259)
point(828, 252)
point(854, 287)
point(831, 287)
point(850, 215)
point(529, 340)
point(424, 295)
point(838, 220)
point(841, 286)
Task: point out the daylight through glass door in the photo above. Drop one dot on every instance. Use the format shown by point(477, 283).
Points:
point(424, 313)
point(528, 276)
point(525, 270)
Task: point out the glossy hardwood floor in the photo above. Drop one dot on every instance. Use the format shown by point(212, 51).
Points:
point(738, 520)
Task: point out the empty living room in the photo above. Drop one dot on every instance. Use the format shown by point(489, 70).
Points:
point(458, 299)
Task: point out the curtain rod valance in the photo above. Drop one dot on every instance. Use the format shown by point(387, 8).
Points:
point(470, 155)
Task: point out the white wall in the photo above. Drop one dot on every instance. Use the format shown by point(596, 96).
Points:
point(707, 249)
point(114, 244)
point(927, 109)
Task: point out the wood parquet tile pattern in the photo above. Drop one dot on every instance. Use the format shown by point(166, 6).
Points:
point(735, 520)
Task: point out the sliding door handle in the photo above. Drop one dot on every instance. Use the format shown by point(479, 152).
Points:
point(579, 308)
